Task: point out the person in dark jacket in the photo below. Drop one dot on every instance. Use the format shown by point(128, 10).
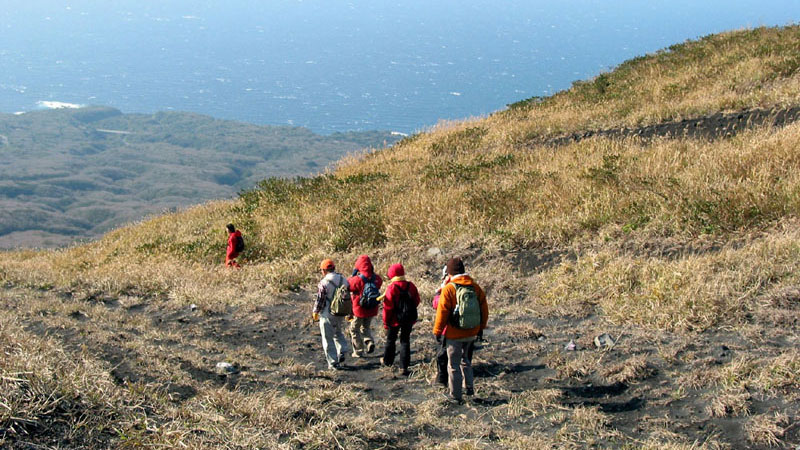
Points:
point(399, 290)
point(441, 346)
point(360, 327)
point(231, 254)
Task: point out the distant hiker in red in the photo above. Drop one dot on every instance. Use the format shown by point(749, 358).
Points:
point(235, 246)
point(365, 287)
point(461, 315)
point(399, 314)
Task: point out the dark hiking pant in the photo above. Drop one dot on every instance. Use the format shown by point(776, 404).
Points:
point(441, 362)
point(405, 346)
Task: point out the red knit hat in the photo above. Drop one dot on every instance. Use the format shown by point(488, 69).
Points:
point(396, 270)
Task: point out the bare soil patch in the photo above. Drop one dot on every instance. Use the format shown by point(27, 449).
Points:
point(715, 126)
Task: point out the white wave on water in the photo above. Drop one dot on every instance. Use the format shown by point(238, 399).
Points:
point(57, 105)
point(14, 87)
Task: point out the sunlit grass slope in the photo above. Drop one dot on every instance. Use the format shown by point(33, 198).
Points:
point(480, 183)
point(727, 71)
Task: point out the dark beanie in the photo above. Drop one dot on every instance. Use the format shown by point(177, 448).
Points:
point(455, 266)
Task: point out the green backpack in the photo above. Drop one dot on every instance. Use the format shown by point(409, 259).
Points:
point(341, 305)
point(467, 314)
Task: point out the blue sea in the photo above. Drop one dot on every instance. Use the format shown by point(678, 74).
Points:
point(334, 65)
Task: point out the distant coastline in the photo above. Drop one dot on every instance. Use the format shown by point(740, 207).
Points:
point(49, 104)
point(78, 171)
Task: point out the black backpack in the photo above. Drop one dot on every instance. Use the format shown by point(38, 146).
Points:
point(370, 294)
point(405, 307)
point(239, 244)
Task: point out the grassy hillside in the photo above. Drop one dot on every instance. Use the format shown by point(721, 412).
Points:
point(685, 250)
point(71, 174)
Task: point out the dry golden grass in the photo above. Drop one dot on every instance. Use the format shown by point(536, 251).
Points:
point(767, 429)
point(729, 403)
point(533, 404)
point(633, 369)
point(586, 426)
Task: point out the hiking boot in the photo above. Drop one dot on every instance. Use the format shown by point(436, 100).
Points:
point(405, 372)
point(341, 358)
point(439, 381)
point(469, 392)
point(383, 363)
point(370, 347)
point(334, 366)
point(452, 400)
point(356, 355)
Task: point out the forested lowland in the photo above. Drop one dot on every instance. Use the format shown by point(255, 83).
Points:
point(643, 289)
point(72, 174)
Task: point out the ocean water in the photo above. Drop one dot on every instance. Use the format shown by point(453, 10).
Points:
point(336, 65)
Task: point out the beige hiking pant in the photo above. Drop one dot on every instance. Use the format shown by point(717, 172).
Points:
point(361, 333)
point(459, 366)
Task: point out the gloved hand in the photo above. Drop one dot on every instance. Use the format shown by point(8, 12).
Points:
point(350, 318)
point(438, 338)
point(315, 316)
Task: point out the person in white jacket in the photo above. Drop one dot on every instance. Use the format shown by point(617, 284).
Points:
point(334, 343)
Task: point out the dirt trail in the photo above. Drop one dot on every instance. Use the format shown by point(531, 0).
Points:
point(520, 355)
point(711, 127)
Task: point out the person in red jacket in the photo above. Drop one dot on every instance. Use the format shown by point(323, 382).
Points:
point(360, 330)
point(231, 253)
point(399, 290)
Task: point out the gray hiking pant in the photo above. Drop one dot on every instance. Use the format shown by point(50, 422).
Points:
point(334, 343)
point(459, 366)
point(361, 333)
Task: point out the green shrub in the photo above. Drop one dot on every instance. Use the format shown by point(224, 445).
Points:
point(462, 141)
point(361, 224)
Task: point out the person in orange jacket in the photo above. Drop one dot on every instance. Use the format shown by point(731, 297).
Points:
point(460, 341)
point(233, 250)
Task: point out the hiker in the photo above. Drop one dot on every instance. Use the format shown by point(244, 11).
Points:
point(365, 287)
point(331, 307)
point(399, 314)
point(235, 246)
point(441, 345)
point(461, 315)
